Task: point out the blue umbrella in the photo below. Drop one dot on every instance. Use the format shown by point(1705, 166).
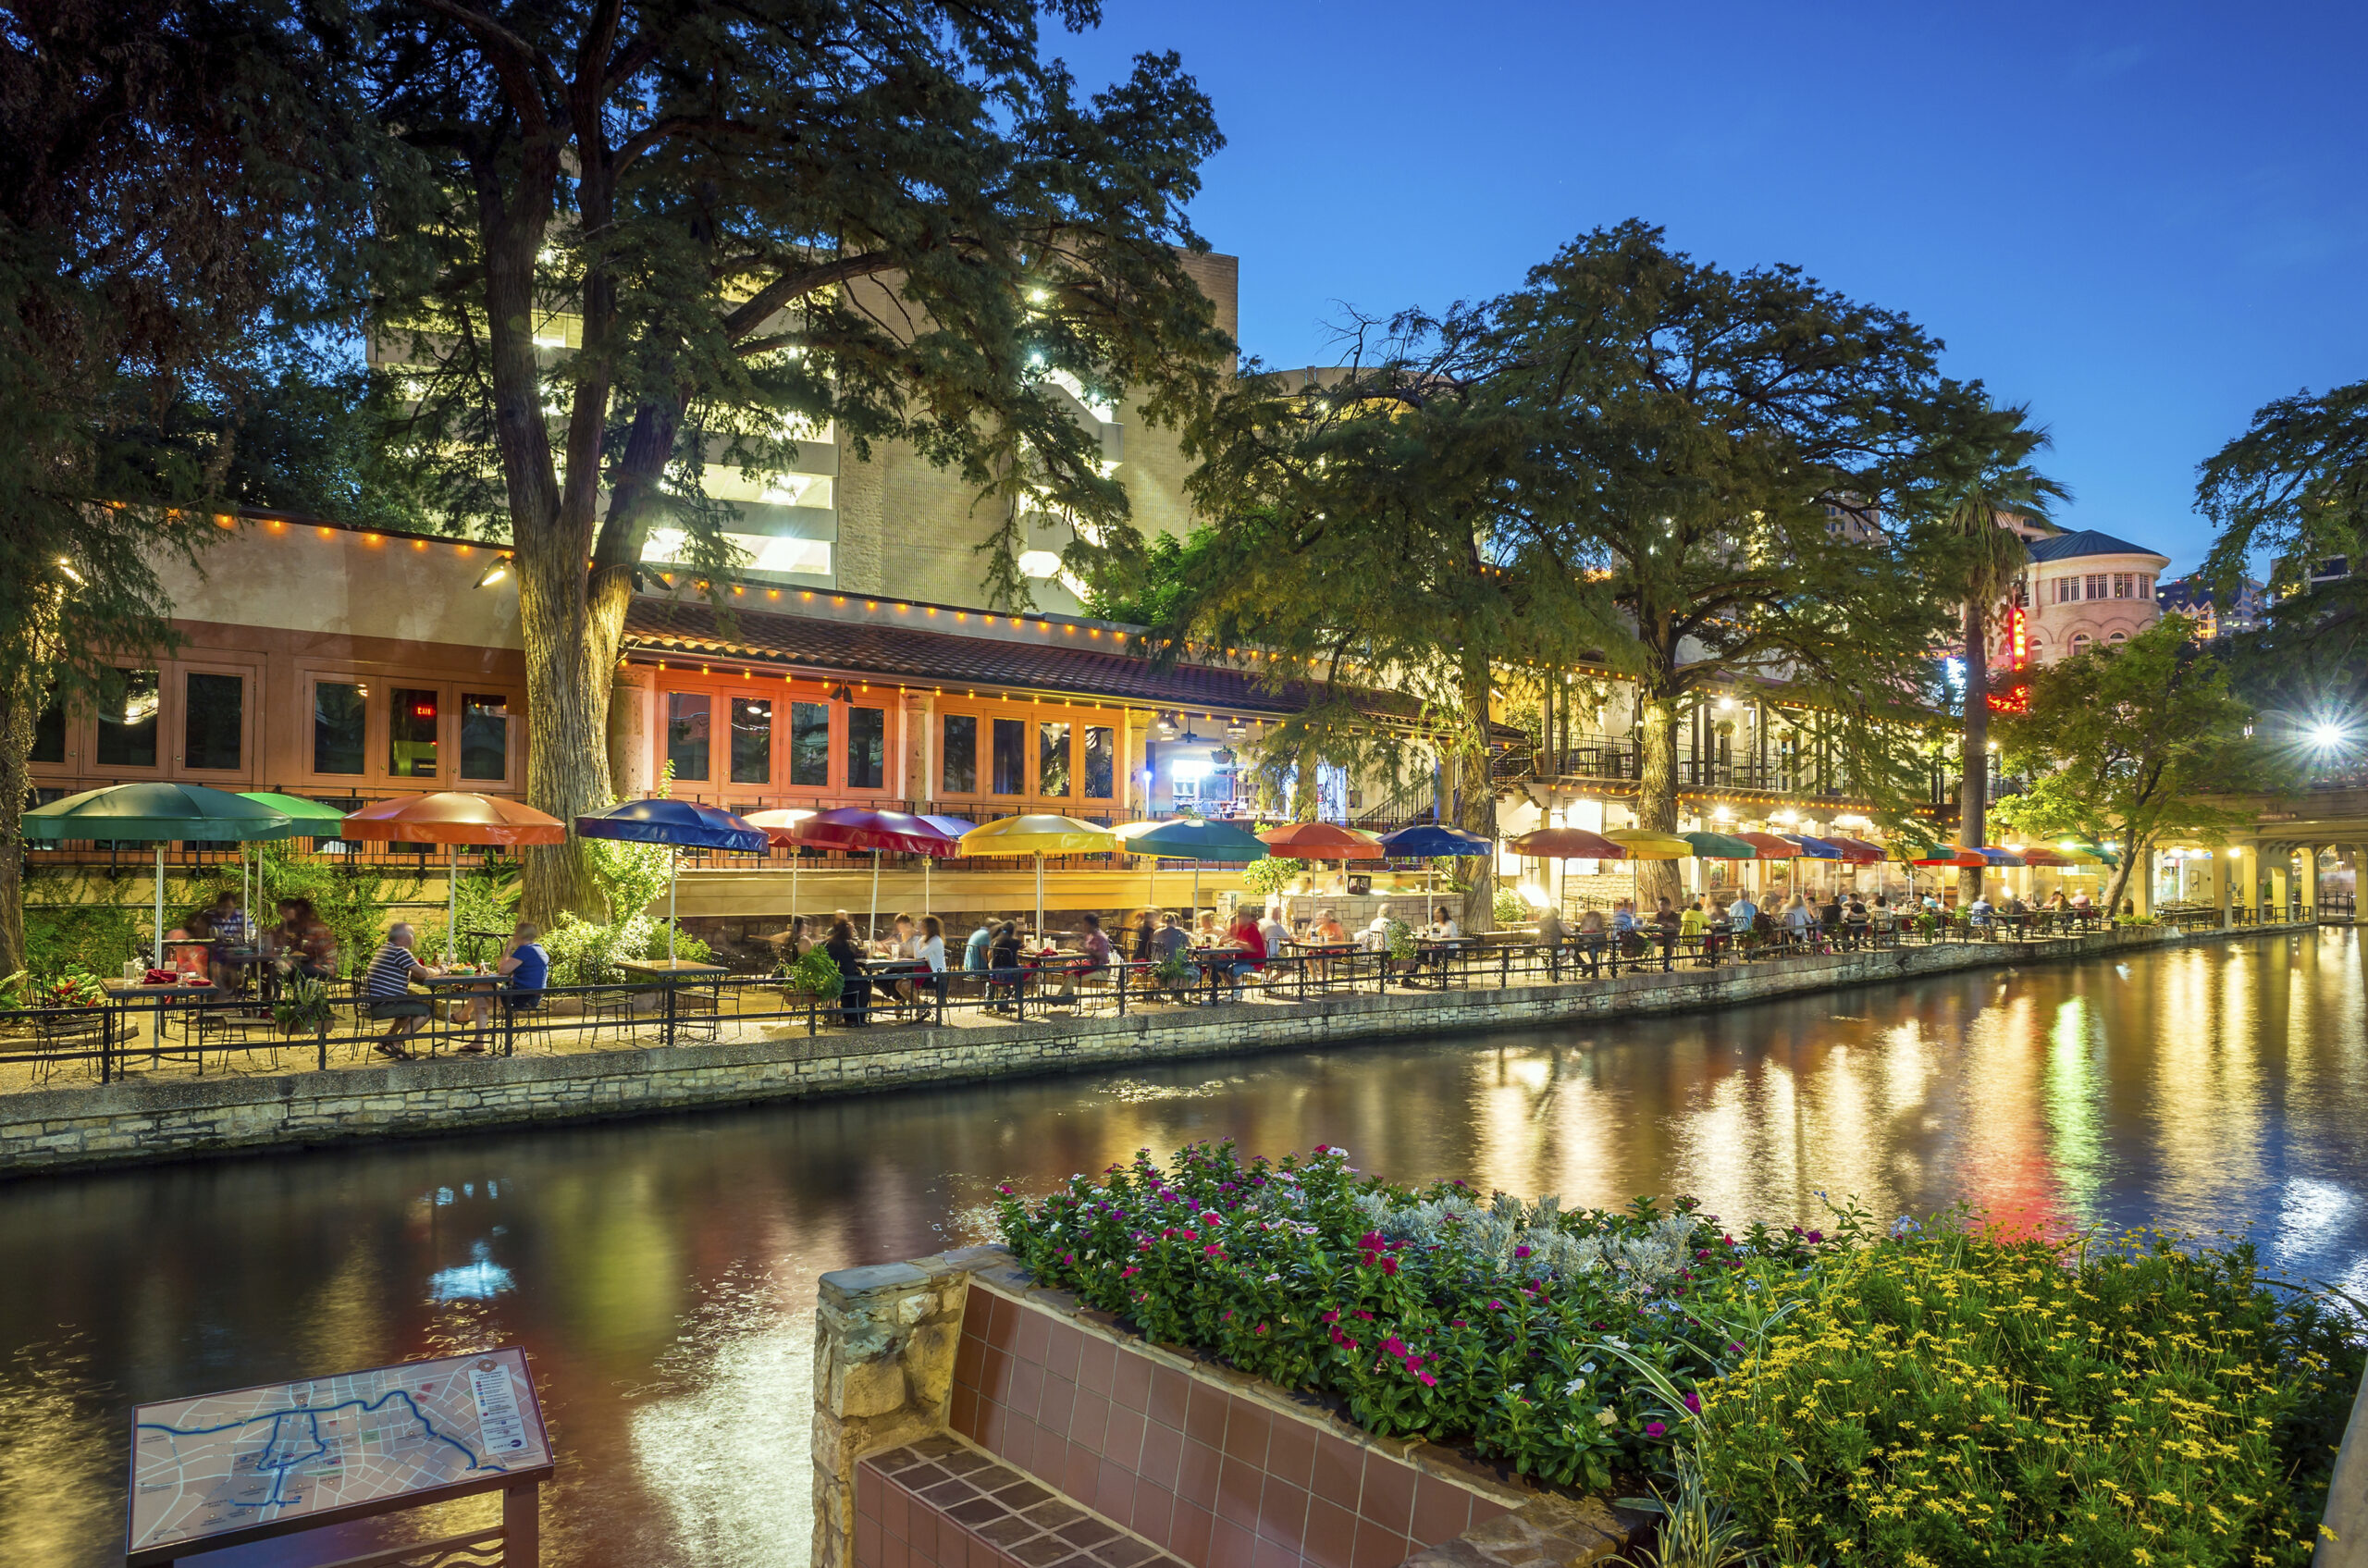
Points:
point(673, 823)
point(1813, 848)
point(1430, 840)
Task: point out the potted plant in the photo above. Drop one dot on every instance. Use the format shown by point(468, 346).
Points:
point(304, 1008)
point(815, 975)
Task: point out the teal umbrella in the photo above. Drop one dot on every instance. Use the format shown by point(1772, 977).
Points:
point(307, 818)
point(157, 813)
point(1187, 838)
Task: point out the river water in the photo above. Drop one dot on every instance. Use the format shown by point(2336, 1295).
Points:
point(662, 1272)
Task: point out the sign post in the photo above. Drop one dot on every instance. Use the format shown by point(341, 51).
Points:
point(225, 1469)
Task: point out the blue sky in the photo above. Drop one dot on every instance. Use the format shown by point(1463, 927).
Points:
point(2145, 221)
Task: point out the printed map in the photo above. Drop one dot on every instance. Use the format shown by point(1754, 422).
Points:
point(230, 1461)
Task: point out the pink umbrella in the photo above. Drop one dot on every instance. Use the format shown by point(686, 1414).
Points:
point(854, 827)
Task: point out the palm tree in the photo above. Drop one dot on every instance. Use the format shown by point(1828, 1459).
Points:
point(1999, 484)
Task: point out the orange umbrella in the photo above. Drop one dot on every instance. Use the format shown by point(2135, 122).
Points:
point(1565, 844)
point(1321, 841)
point(452, 817)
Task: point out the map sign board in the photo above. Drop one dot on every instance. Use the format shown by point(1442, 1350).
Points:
point(216, 1469)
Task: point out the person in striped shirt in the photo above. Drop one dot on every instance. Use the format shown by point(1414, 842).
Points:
point(386, 986)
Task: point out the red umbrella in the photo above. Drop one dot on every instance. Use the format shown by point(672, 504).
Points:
point(1321, 841)
point(896, 832)
point(1770, 847)
point(2039, 855)
point(1856, 851)
point(1967, 859)
point(452, 817)
point(1565, 844)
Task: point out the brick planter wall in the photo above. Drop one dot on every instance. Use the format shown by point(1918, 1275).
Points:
point(1061, 1440)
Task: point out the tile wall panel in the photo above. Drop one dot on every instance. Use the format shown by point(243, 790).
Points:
point(1217, 1479)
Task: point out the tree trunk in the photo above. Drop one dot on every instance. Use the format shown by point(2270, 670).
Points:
point(572, 625)
point(1475, 793)
point(20, 709)
point(1973, 798)
point(2131, 853)
point(1656, 792)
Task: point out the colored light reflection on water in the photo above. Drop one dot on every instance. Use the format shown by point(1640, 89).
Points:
point(662, 1272)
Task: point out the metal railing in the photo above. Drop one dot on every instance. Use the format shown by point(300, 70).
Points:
point(198, 1031)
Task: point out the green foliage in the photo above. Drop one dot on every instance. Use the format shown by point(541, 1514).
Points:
point(1512, 909)
point(88, 937)
point(488, 902)
point(1271, 875)
point(1949, 1398)
point(303, 1007)
point(1497, 1323)
point(352, 899)
point(586, 952)
point(815, 974)
point(632, 876)
point(2120, 743)
point(2293, 488)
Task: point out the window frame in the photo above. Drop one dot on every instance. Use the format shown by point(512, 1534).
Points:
point(250, 697)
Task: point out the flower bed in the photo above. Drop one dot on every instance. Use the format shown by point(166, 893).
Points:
point(1924, 1396)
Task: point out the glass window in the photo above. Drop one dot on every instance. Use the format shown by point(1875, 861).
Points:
point(411, 734)
point(210, 720)
point(128, 719)
point(867, 747)
point(687, 733)
point(1052, 758)
point(485, 736)
point(340, 711)
point(1100, 772)
point(752, 740)
point(2121, 584)
point(809, 744)
point(1011, 756)
point(2145, 588)
point(960, 747)
point(2096, 585)
point(2067, 590)
point(49, 733)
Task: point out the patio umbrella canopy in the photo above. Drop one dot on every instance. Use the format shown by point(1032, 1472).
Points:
point(2040, 854)
point(1321, 841)
point(1720, 846)
point(877, 832)
point(1039, 833)
point(156, 813)
point(1858, 851)
point(1189, 839)
point(1771, 847)
point(1566, 844)
point(1434, 840)
point(1951, 855)
point(1813, 848)
point(454, 818)
point(1645, 844)
point(306, 819)
point(673, 823)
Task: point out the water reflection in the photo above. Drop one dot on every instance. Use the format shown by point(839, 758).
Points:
point(662, 1272)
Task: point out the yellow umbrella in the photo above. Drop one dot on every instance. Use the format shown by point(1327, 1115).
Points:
point(1644, 844)
point(1041, 833)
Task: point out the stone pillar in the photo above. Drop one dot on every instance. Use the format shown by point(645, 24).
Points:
point(2142, 885)
point(2278, 872)
point(633, 724)
point(918, 759)
point(884, 1342)
point(2308, 884)
point(2223, 885)
point(1134, 733)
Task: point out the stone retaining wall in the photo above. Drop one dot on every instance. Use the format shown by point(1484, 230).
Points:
point(181, 1118)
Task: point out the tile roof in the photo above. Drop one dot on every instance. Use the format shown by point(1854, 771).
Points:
point(947, 657)
point(2088, 541)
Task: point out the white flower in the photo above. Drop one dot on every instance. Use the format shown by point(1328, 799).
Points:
point(1271, 1279)
point(1575, 1386)
point(1606, 1417)
point(1586, 1366)
point(1615, 1343)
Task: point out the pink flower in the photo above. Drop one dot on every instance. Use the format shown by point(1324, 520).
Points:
point(1213, 1250)
point(1389, 1266)
point(1694, 1403)
point(1394, 1346)
point(1426, 1379)
point(1654, 1429)
point(1520, 1252)
point(1332, 1316)
point(1128, 1272)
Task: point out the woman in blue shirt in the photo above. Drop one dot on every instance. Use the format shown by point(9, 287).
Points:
point(526, 967)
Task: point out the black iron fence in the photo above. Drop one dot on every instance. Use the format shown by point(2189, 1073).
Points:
point(200, 1030)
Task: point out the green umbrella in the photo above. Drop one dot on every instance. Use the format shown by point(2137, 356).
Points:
point(1187, 839)
point(307, 818)
point(157, 813)
point(1719, 846)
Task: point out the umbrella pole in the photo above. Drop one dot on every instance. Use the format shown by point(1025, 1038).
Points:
point(871, 931)
point(925, 871)
point(453, 914)
point(674, 869)
point(1040, 895)
point(156, 956)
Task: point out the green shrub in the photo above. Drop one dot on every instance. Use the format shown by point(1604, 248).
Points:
point(1512, 909)
point(1270, 876)
point(815, 973)
point(1425, 1312)
point(97, 937)
point(1946, 1398)
point(586, 952)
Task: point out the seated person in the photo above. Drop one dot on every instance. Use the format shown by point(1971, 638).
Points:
point(1328, 929)
point(854, 985)
point(386, 987)
point(795, 941)
point(974, 952)
point(226, 923)
point(1004, 976)
point(528, 968)
point(307, 942)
